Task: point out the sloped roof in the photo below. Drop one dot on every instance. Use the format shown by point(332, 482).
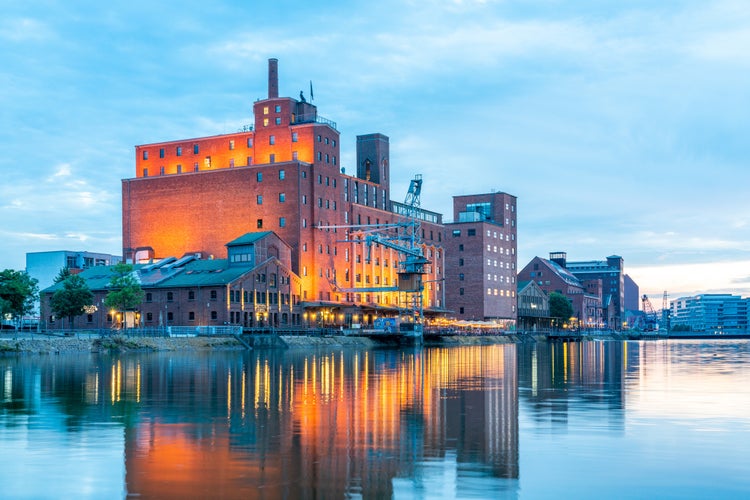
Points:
point(566, 275)
point(248, 238)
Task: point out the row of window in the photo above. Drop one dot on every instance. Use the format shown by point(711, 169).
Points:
point(191, 295)
point(196, 149)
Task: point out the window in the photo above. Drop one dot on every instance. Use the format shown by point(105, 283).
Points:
point(207, 162)
point(265, 122)
point(319, 138)
point(304, 199)
point(196, 149)
point(213, 294)
point(231, 144)
point(170, 316)
point(294, 155)
point(265, 110)
point(282, 174)
point(460, 291)
point(259, 223)
point(231, 163)
point(295, 136)
point(145, 155)
point(179, 169)
point(460, 310)
point(456, 233)
point(471, 232)
point(249, 160)
point(282, 221)
point(320, 156)
point(145, 172)
point(272, 158)
point(195, 167)
point(259, 199)
point(461, 277)
point(179, 150)
point(460, 262)
point(282, 197)
point(149, 316)
point(214, 315)
point(191, 316)
point(170, 296)
point(161, 152)
point(191, 295)
point(249, 142)
point(272, 140)
point(278, 120)
point(259, 177)
point(161, 170)
point(149, 297)
point(277, 109)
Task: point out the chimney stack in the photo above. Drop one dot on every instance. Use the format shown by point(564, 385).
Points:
point(273, 78)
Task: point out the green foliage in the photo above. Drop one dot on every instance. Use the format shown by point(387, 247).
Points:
point(18, 291)
point(560, 307)
point(69, 301)
point(126, 293)
point(63, 275)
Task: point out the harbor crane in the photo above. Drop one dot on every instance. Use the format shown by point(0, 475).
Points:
point(403, 237)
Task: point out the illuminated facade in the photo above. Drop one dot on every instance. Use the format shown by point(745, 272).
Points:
point(282, 174)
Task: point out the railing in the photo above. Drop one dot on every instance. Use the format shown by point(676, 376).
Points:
point(315, 118)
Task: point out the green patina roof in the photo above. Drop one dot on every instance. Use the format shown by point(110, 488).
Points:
point(195, 273)
point(248, 238)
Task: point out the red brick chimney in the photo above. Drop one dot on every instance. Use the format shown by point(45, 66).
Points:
point(273, 78)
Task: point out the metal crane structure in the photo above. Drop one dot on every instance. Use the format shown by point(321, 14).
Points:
point(403, 237)
point(652, 319)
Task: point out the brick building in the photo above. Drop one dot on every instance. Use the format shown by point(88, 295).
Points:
point(481, 258)
point(552, 276)
point(283, 174)
point(253, 286)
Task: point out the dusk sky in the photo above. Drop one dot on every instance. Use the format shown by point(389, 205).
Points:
point(623, 127)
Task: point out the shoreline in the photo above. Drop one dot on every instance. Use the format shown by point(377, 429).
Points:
point(46, 344)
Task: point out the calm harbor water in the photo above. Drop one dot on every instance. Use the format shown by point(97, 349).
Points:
point(652, 419)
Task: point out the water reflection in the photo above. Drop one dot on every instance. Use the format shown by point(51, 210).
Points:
point(369, 423)
point(530, 420)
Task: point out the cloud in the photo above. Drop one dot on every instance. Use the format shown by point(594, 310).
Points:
point(24, 29)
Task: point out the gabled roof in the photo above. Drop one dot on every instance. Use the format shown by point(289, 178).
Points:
point(248, 238)
point(564, 274)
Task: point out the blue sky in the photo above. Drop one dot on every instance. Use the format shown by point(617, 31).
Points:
point(622, 126)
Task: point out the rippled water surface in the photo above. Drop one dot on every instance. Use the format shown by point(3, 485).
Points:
point(655, 419)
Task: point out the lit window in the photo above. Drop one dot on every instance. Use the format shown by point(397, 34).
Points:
point(231, 144)
point(265, 110)
point(265, 122)
point(294, 155)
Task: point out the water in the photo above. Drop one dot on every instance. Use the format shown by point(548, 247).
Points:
point(653, 419)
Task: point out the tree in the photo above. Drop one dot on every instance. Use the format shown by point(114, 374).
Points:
point(125, 289)
point(18, 291)
point(70, 300)
point(63, 275)
point(560, 307)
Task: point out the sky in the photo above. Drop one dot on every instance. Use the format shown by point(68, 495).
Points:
point(623, 126)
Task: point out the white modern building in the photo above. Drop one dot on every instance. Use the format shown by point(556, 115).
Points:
point(714, 313)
